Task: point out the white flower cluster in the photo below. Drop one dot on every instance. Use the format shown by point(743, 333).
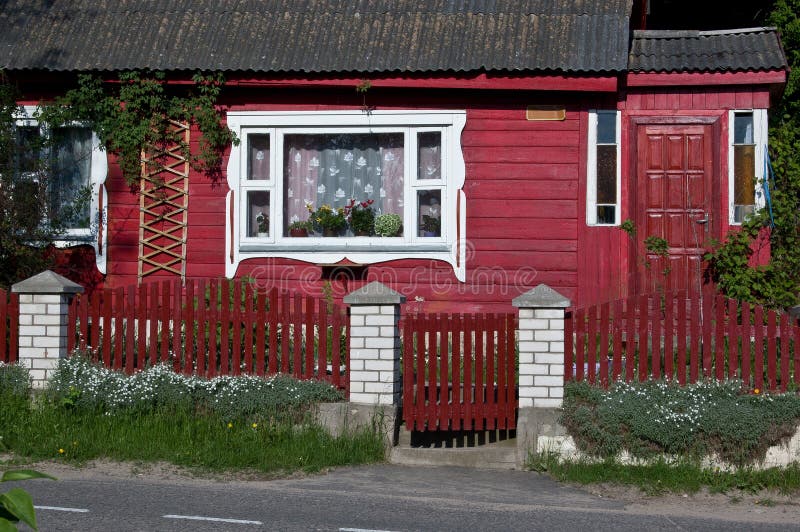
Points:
point(160, 386)
point(672, 405)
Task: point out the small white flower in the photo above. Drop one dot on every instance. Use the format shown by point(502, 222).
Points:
point(321, 189)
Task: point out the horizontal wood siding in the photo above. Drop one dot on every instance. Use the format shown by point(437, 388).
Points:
point(521, 189)
point(525, 188)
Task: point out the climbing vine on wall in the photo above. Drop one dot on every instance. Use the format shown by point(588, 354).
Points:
point(134, 114)
point(777, 283)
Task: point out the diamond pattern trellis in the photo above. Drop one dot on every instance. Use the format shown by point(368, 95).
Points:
point(163, 207)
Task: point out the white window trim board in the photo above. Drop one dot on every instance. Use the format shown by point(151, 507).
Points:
point(760, 137)
point(97, 212)
point(450, 248)
point(591, 169)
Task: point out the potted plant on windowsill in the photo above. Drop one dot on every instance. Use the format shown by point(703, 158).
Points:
point(361, 217)
point(262, 223)
point(327, 220)
point(300, 228)
point(431, 226)
point(388, 225)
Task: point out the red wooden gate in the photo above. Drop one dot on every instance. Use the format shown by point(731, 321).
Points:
point(459, 371)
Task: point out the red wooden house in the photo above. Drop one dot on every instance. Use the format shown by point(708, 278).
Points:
point(512, 137)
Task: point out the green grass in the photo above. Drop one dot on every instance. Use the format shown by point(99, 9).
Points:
point(48, 430)
point(660, 477)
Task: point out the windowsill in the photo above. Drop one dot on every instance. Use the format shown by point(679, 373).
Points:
point(315, 246)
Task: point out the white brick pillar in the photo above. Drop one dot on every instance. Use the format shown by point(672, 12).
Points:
point(43, 305)
point(374, 371)
point(541, 347)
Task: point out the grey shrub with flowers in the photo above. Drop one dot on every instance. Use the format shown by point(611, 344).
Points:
point(81, 383)
point(652, 418)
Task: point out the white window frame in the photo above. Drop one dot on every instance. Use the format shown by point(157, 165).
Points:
point(591, 169)
point(96, 234)
point(449, 247)
point(760, 137)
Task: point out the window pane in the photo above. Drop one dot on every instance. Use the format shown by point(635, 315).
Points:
point(607, 174)
point(28, 149)
point(743, 128)
point(257, 156)
point(607, 128)
point(258, 213)
point(744, 169)
point(606, 214)
point(429, 155)
point(429, 208)
point(330, 169)
point(69, 185)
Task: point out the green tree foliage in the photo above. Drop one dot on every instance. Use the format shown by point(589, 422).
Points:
point(136, 115)
point(776, 284)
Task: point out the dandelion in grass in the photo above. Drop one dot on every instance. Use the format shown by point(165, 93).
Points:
point(255, 425)
point(756, 391)
point(230, 425)
point(61, 451)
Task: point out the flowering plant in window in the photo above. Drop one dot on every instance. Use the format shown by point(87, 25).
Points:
point(262, 220)
point(431, 225)
point(388, 224)
point(361, 217)
point(328, 220)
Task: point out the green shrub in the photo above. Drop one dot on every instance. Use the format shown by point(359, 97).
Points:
point(650, 418)
point(15, 380)
point(81, 384)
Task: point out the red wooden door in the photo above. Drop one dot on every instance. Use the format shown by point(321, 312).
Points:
point(674, 184)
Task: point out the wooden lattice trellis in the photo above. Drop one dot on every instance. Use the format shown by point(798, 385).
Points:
point(163, 207)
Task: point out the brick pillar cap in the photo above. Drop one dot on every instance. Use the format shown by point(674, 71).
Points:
point(47, 282)
point(541, 297)
point(374, 293)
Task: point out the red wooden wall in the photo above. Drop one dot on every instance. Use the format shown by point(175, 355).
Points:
point(525, 188)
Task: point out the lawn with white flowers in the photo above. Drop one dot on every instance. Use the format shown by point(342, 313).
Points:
point(221, 424)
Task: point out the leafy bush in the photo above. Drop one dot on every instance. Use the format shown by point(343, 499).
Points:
point(651, 418)
point(81, 384)
point(15, 380)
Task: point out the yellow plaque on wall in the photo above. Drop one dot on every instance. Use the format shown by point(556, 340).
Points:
point(545, 112)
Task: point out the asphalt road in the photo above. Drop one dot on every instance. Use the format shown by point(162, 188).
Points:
point(383, 497)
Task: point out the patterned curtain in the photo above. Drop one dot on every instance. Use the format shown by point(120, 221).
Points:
point(331, 169)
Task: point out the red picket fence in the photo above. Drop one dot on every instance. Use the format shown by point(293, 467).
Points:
point(683, 337)
point(459, 371)
point(9, 326)
point(211, 328)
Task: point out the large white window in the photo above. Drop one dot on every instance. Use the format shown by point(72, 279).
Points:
point(747, 131)
point(290, 164)
point(603, 169)
point(76, 169)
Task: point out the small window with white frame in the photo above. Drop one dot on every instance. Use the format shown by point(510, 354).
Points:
point(746, 162)
point(603, 168)
point(76, 168)
point(404, 164)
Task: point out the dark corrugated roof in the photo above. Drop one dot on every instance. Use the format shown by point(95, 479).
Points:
point(315, 35)
point(706, 51)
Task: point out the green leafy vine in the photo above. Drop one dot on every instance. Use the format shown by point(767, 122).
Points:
point(776, 284)
point(136, 116)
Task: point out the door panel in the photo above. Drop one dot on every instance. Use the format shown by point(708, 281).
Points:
point(674, 173)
